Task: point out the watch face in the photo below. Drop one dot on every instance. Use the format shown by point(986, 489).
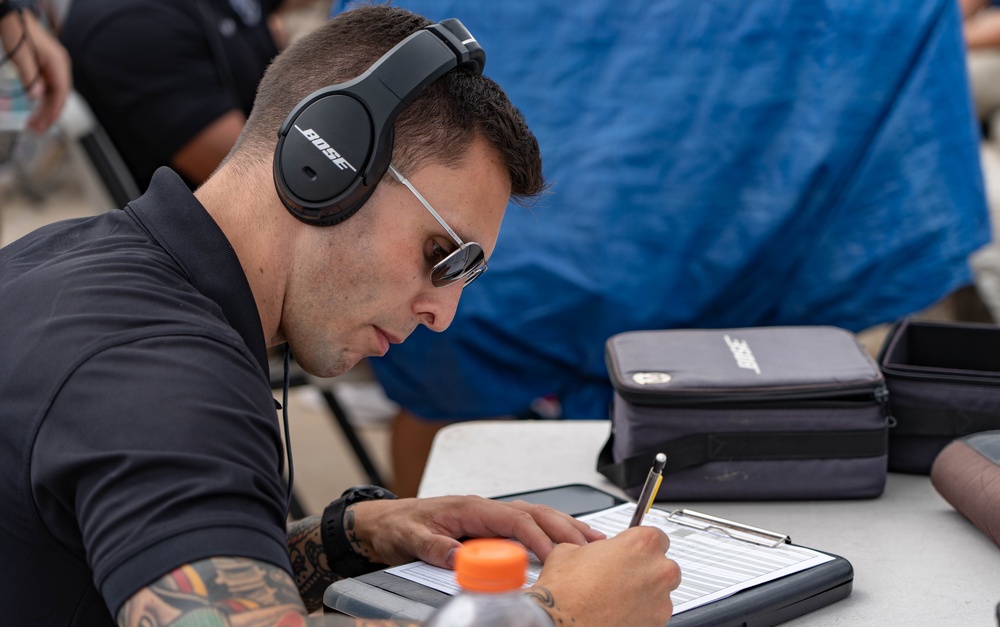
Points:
point(367, 493)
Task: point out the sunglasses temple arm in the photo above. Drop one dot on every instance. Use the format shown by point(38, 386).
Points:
point(402, 179)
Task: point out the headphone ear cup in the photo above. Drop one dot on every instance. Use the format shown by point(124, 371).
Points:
point(335, 146)
point(321, 158)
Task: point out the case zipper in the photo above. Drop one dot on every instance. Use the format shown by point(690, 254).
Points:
point(942, 377)
point(869, 392)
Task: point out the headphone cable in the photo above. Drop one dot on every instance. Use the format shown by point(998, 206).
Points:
point(288, 438)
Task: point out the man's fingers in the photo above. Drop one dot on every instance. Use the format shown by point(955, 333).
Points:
point(427, 528)
point(439, 550)
point(649, 537)
point(53, 80)
point(559, 526)
point(14, 32)
point(51, 97)
point(540, 527)
point(42, 65)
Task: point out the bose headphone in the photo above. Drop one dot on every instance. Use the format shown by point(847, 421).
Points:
point(335, 145)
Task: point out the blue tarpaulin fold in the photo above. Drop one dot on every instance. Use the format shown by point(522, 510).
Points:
point(712, 164)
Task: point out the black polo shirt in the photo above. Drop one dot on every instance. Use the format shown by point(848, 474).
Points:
point(158, 72)
point(137, 426)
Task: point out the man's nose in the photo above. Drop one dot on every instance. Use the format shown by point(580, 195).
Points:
point(436, 306)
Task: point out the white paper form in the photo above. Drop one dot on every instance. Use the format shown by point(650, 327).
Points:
point(713, 565)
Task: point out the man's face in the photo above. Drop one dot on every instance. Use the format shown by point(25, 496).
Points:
point(354, 292)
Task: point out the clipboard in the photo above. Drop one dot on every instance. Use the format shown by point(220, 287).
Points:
point(384, 595)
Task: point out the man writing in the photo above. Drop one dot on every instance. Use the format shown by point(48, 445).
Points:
point(142, 478)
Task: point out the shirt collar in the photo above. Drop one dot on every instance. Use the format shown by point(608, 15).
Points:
point(181, 225)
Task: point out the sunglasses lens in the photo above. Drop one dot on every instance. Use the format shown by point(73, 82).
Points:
point(465, 264)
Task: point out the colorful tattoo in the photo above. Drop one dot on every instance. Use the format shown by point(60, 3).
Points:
point(220, 591)
point(237, 592)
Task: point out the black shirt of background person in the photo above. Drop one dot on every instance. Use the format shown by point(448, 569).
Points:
point(157, 72)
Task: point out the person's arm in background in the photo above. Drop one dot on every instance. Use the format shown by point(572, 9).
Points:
point(583, 581)
point(983, 31)
point(199, 157)
point(42, 63)
point(968, 7)
point(980, 27)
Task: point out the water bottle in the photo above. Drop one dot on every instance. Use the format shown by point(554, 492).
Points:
point(491, 573)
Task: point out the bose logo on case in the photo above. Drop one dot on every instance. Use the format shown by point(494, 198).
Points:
point(742, 353)
point(325, 148)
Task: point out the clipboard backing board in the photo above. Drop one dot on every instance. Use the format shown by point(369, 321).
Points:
point(382, 595)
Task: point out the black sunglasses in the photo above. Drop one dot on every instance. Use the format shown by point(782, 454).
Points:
point(465, 263)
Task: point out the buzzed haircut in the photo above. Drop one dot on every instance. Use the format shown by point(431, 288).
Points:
point(437, 127)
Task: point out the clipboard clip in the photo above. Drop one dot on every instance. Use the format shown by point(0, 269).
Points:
point(735, 530)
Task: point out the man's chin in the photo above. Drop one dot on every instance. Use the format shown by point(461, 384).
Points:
point(326, 369)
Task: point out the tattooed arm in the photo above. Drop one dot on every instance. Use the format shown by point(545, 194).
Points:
point(312, 572)
point(224, 592)
point(314, 569)
point(622, 581)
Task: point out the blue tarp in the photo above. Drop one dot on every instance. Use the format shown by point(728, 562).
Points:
point(713, 164)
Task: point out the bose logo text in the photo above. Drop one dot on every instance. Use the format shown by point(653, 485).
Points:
point(326, 149)
point(742, 353)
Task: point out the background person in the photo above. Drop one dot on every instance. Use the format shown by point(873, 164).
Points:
point(172, 82)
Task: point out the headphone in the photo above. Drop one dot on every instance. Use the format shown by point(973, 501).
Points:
point(336, 144)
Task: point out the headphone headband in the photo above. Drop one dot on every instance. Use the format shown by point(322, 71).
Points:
point(336, 144)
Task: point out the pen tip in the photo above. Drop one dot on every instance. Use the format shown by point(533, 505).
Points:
point(661, 458)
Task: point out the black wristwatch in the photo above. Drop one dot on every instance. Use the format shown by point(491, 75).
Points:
point(340, 554)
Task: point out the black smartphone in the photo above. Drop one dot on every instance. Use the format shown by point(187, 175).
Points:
point(575, 499)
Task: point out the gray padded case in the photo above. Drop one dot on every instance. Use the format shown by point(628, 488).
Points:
point(764, 413)
point(944, 383)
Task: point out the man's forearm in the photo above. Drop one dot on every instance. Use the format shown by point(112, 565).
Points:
point(228, 591)
point(312, 571)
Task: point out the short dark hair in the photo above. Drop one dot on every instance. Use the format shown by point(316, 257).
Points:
point(448, 114)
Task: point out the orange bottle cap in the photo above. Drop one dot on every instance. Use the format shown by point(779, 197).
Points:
point(491, 565)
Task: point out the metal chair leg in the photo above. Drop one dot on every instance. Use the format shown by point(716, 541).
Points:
point(352, 438)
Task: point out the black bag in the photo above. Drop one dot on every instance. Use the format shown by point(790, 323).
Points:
point(768, 413)
point(944, 382)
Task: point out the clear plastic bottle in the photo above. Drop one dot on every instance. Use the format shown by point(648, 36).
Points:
point(491, 573)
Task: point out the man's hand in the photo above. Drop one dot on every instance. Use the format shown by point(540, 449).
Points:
point(626, 580)
point(42, 64)
point(400, 531)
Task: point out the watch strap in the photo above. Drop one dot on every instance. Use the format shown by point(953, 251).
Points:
point(340, 554)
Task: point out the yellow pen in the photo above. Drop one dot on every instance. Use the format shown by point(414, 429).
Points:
point(649, 489)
